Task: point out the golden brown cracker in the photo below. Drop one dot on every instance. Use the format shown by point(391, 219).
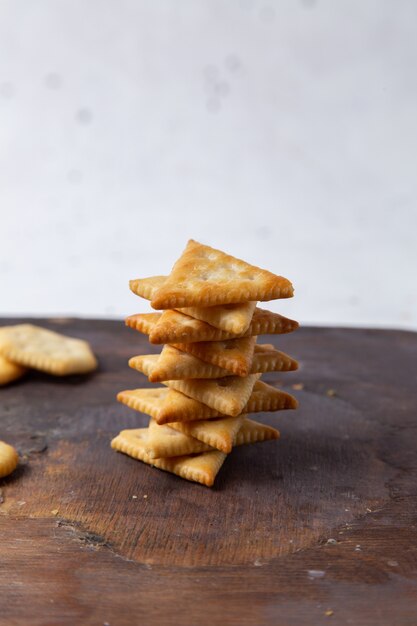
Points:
point(201, 468)
point(175, 327)
point(163, 441)
point(233, 355)
point(218, 433)
point(9, 371)
point(147, 401)
point(227, 395)
point(42, 349)
point(204, 276)
point(233, 318)
point(253, 432)
point(8, 459)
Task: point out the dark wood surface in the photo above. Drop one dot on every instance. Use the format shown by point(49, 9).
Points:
point(319, 527)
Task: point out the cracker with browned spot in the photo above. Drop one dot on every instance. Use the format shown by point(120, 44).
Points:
point(234, 318)
point(163, 441)
point(8, 459)
point(201, 468)
point(45, 350)
point(10, 371)
point(218, 433)
point(175, 327)
point(204, 276)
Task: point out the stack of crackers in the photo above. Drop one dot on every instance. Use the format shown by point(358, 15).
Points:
point(210, 364)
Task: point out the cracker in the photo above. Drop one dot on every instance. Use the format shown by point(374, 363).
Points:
point(8, 459)
point(233, 318)
point(178, 407)
point(227, 395)
point(175, 327)
point(253, 432)
point(201, 468)
point(174, 364)
point(9, 371)
point(204, 276)
point(45, 350)
point(163, 441)
point(234, 355)
point(147, 401)
point(217, 433)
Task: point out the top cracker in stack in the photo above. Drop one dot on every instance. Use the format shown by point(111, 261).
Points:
point(211, 363)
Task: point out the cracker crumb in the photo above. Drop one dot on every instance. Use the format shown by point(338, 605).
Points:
point(330, 393)
point(331, 542)
point(134, 497)
point(298, 386)
point(328, 613)
point(392, 563)
point(55, 511)
point(146, 495)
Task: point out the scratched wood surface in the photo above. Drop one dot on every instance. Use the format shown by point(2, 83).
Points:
point(319, 526)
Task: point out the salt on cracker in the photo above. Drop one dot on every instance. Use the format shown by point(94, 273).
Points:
point(9, 371)
point(233, 318)
point(201, 468)
point(175, 327)
point(169, 405)
point(218, 433)
point(45, 350)
point(204, 276)
point(163, 441)
point(8, 459)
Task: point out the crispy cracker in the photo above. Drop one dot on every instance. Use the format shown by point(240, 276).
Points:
point(147, 401)
point(8, 459)
point(253, 432)
point(163, 442)
point(217, 433)
point(174, 364)
point(169, 405)
point(233, 318)
point(9, 371)
point(201, 468)
point(175, 327)
point(204, 276)
point(227, 395)
point(234, 355)
point(45, 350)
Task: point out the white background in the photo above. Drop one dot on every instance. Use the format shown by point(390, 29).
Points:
point(284, 133)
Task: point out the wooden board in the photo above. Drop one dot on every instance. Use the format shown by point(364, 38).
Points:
point(322, 521)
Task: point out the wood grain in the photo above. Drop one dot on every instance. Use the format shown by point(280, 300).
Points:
point(77, 547)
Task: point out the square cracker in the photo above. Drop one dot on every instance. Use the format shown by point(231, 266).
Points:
point(253, 432)
point(233, 355)
point(204, 276)
point(163, 441)
point(201, 468)
point(233, 318)
point(218, 433)
point(175, 327)
point(174, 364)
point(169, 405)
point(45, 350)
point(9, 371)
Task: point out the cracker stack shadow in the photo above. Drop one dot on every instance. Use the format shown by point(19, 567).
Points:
point(210, 365)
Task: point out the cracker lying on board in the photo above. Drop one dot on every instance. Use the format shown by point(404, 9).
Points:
point(175, 327)
point(169, 405)
point(163, 441)
point(218, 433)
point(8, 459)
point(9, 371)
point(201, 468)
point(45, 350)
point(233, 318)
point(204, 276)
